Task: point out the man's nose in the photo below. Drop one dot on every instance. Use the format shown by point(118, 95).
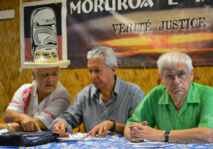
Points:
point(50, 78)
point(93, 75)
point(176, 80)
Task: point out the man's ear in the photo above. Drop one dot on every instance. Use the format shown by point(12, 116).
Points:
point(33, 73)
point(114, 69)
point(160, 77)
point(192, 74)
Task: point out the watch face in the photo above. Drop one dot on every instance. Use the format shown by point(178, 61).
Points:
point(167, 133)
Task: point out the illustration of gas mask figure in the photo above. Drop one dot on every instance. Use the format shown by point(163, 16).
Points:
point(43, 29)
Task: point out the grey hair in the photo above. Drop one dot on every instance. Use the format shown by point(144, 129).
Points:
point(171, 59)
point(106, 52)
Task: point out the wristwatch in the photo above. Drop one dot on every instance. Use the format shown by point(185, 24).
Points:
point(113, 127)
point(9, 126)
point(167, 133)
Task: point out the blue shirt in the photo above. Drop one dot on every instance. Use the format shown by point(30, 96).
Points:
point(89, 109)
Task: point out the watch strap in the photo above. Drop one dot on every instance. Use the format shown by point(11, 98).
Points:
point(113, 127)
point(167, 133)
point(9, 126)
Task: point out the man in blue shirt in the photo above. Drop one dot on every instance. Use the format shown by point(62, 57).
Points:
point(106, 104)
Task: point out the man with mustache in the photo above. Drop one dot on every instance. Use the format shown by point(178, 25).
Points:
point(181, 109)
point(104, 105)
point(35, 106)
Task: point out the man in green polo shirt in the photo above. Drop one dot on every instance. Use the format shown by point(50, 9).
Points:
point(181, 110)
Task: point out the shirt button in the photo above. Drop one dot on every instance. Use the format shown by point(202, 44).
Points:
point(105, 111)
point(178, 120)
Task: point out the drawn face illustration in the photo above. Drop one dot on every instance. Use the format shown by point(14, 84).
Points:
point(43, 27)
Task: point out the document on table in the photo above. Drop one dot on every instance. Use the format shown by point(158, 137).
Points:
point(3, 131)
point(73, 137)
point(148, 144)
point(80, 136)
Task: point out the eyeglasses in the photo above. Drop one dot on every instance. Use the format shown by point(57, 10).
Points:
point(169, 76)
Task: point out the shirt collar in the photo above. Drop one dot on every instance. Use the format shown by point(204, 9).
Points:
point(96, 92)
point(34, 88)
point(165, 98)
point(117, 85)
point(191, 97)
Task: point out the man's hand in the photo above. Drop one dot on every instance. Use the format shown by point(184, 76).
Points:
point(3, 126)
point(135, 132)
point(99, 129)
point(29, 124)
point(140, 131)
point(60, 128)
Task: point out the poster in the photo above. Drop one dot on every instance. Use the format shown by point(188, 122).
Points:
point(43, 27)
point(139, 31)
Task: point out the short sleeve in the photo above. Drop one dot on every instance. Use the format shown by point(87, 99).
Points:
point(206, 117)
point(17, 103)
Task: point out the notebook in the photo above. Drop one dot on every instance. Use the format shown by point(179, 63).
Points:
point(27, 138)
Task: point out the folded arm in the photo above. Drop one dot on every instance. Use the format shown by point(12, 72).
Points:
point(23, 122)
point(138, 132)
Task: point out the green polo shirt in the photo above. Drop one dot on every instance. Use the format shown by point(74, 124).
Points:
point(157, 108)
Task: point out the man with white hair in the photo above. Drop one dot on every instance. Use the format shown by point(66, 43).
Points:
point(181, 110)
point(104, 105)
point(34, 106)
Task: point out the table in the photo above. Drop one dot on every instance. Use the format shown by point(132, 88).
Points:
point(114, 142)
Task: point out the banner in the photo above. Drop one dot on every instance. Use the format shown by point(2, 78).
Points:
point(139, 31)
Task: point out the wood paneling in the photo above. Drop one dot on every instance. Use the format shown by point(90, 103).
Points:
point(12, 77)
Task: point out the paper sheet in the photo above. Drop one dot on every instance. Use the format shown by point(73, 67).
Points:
point(148, 144)
point(3, 131)
point(80, 136)
point(73, 137)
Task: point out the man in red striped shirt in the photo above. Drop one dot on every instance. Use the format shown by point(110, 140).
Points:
point(34, 106)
